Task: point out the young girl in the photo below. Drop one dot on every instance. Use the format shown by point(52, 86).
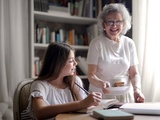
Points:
point(55, 91)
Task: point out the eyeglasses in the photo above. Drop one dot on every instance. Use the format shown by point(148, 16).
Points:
point(112, 22)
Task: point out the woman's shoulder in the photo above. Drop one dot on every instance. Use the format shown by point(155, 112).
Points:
point(127, 39)
point(97, 40)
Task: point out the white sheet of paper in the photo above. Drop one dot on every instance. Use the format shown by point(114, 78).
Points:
point(142, 108)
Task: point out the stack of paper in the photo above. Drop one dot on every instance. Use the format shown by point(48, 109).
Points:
point(142, 108)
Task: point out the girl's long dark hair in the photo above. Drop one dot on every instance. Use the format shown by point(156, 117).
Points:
point(54, 60)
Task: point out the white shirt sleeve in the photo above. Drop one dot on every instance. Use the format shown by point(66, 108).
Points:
point(93, 52)
point(133, 54)
point(82, 93)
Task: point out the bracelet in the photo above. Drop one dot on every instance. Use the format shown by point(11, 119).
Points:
point(135, 88)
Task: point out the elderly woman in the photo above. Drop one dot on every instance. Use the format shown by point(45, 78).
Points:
point(112, 58)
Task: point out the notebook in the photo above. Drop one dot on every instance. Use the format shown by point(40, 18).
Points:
point(142, 108)
point(112, 114)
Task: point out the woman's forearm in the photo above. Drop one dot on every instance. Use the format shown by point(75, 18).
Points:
point(136, 82)
point(96, 81)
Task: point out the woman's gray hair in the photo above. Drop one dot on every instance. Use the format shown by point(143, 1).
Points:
point(115, 7)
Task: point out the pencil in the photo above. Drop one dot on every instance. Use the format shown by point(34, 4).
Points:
point(82, 88)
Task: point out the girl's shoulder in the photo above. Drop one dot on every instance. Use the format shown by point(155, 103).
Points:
point(40, 84)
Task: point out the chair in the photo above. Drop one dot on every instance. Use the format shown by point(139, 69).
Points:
point(20, 100)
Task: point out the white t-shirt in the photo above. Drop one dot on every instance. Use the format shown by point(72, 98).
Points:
point(51, 95)
point(113, 59)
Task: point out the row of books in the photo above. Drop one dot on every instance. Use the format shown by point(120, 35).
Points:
point(41, 5)
point(83, 8)
point(80, 70)
point(86, 8)
point(45, 36)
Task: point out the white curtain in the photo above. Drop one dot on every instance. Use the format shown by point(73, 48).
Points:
point(146, 35)
point(14, 55)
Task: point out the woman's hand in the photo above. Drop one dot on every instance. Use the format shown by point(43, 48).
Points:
point(138, 96)
point(93, 98)
point(106, 84)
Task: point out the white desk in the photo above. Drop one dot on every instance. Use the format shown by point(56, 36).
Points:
point(77, 116)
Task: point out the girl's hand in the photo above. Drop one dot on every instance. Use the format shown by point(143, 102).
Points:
point(93, 98)
point(138, 96)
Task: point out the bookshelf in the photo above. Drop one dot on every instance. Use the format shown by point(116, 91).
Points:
point(56, 21)
point(64, 19)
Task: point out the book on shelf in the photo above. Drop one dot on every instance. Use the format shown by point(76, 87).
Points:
point(104, 104)
point(99, 6)
point(43, 35)
point(80, 8)
point(57, 37)
point(47, 35)
point(62, 35)
point(84, 13)
point(39, 35)
point(72, 37)
point(80, 40)
point(76, 8)
point(36, 65)
point(95, 10)
point(35, 32)
point(53, 36)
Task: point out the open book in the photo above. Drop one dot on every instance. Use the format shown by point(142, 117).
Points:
point(104, 104)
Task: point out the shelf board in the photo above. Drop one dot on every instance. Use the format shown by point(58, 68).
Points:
point(64, 18)
point(80, 47)
point(83, 76)
point(44, 46)
point(40, 46)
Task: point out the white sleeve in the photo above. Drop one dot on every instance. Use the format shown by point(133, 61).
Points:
point(93, 53)
point(38, 89)
point(134, 58)
point(79, 82)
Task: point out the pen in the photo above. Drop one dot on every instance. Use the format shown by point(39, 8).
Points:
point(82, 88)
